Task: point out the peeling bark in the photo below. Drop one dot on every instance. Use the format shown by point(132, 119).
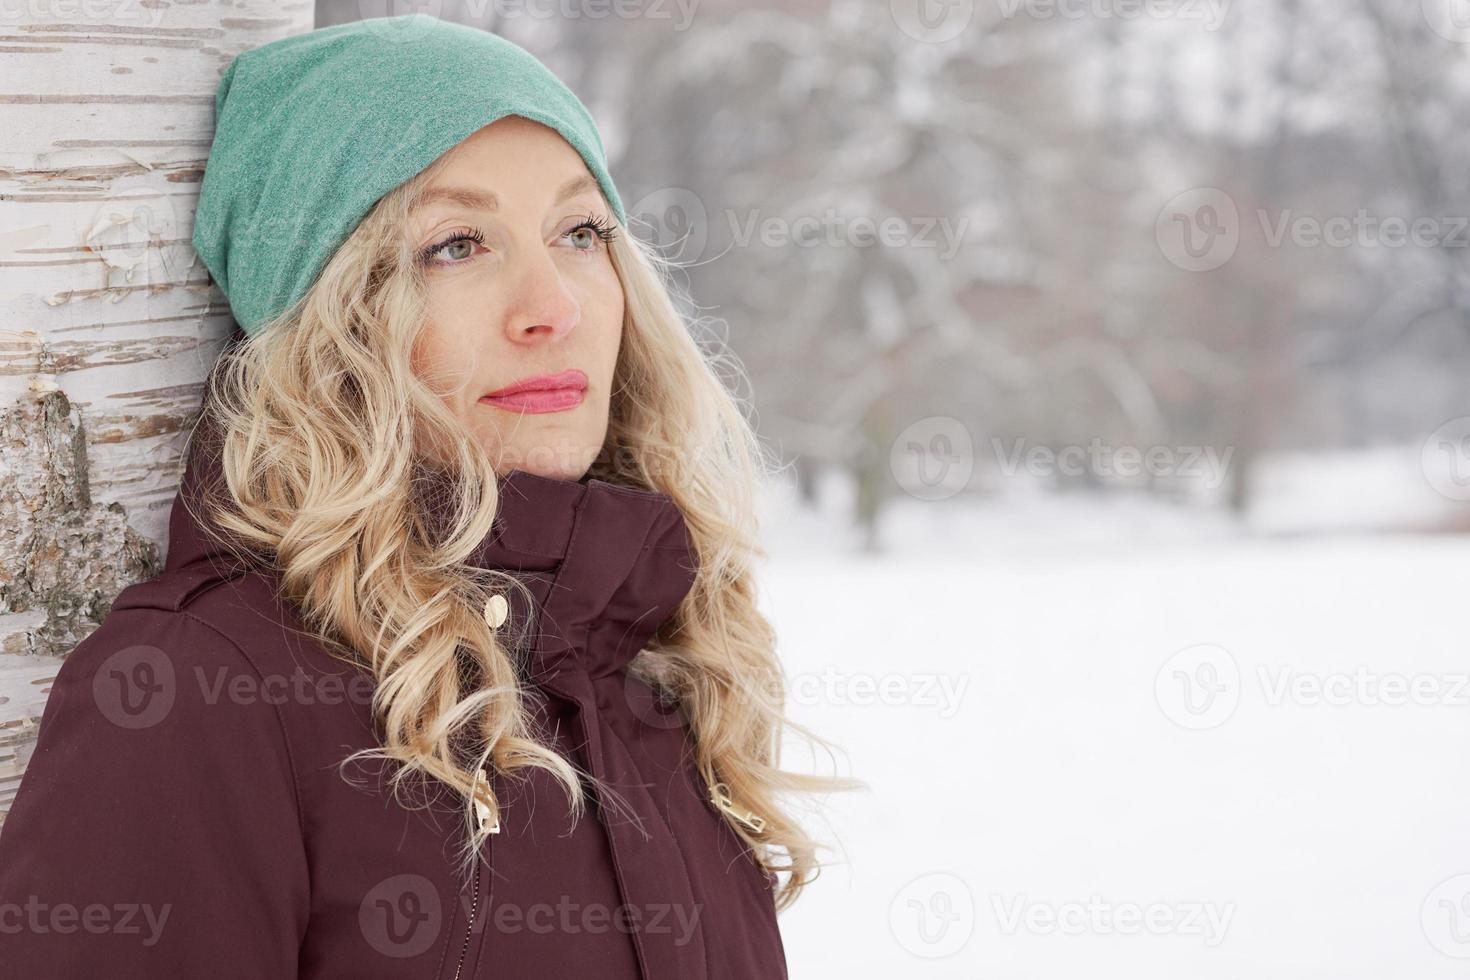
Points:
point(62, 553)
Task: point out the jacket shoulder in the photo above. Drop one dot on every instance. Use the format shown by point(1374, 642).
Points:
point(176, 588)
point(244, 608)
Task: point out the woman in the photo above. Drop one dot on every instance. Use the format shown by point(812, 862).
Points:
point(455, 667)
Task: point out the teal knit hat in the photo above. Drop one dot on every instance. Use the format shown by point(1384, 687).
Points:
point(311, 130)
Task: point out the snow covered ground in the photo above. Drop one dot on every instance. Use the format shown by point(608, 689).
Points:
point(1115, 740)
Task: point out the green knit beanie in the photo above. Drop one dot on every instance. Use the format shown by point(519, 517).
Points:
point(311, 130)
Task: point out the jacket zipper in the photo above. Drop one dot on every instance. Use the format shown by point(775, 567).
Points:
point(470, 928)
point(482, 815)
point(720, 795)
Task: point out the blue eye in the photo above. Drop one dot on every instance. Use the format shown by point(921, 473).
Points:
point(426, 257)
point(602, 227)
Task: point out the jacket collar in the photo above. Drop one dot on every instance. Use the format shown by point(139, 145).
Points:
point(607, 564)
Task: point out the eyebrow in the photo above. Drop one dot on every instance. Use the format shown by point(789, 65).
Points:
point(482, 201)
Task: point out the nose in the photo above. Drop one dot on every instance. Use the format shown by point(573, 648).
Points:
point(543, 309)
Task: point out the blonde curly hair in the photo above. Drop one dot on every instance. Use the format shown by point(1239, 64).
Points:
point(313, 413)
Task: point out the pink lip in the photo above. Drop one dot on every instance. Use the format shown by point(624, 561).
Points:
point(543, 393)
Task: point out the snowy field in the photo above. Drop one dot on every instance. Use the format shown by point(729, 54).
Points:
point(1122, 741)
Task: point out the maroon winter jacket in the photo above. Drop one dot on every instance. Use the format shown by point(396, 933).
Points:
point(183, 815)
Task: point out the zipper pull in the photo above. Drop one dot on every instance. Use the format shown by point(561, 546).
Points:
point(482, 809)
point(720, 796)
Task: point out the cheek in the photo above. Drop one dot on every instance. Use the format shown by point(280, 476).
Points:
point(612, 320)
point(428, 350)
point(439, 354)
point(603, 310)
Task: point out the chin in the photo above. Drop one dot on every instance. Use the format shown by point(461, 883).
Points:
point(543, 464)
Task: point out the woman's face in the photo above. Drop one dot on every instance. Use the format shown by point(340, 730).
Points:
point(521, 290)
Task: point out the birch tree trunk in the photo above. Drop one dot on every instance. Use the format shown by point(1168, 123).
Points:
point(108, 321)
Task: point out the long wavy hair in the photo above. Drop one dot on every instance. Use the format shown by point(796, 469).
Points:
point(314, 414)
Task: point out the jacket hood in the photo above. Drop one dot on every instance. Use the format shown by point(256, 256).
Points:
point(606, 564)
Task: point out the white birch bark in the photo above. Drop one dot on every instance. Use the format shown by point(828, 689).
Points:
point(108, 321)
